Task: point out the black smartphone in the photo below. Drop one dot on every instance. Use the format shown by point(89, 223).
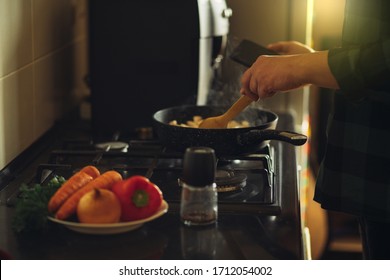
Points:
point(247, 52)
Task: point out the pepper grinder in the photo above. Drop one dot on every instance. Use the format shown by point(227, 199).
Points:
point(199, 197)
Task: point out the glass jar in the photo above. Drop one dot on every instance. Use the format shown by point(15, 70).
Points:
point(199, 197)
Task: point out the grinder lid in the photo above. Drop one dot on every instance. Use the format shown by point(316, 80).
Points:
point(199, 166)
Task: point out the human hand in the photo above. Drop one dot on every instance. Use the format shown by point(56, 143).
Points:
point(271, 74)
point(282, 73)
point(290, 47)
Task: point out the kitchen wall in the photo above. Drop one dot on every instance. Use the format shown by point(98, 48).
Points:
point(42, 67)
point(327, 29)
point(327, 23)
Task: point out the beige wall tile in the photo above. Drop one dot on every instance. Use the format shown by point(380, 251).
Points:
point(53, 84)
point(16, 113)
point(80, 53)
point(52, 29)
point(80, 69)
point(80, 18)
point(15, 35)
point(43, 62)
point(3, 160)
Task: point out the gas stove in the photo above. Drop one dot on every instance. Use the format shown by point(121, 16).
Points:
point(258, 202)
point(246, 183)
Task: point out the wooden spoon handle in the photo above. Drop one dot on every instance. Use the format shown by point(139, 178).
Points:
point(237, 107)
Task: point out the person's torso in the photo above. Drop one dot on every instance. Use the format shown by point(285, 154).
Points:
point(366, 21)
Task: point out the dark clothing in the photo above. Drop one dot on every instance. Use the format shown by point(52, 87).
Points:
point(375, 239)
point(355, 174)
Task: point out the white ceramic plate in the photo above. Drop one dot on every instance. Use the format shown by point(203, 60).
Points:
point(110, 228)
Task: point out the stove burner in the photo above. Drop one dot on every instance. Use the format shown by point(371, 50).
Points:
point(113, 145)
point(229, 181)
point(109, 146)
point(244, 183)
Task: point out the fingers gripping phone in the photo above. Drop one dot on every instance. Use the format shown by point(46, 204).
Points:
point(247, 52)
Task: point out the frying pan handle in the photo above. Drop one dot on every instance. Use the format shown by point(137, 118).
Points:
point(257, 136)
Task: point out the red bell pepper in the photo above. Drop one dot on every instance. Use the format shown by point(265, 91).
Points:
point(139, 198)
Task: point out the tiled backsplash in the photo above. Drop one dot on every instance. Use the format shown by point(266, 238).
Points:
point(43, 62)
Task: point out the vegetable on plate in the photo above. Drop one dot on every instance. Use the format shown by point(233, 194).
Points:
point(31, 208)
point(73, 184)
point(99, 206)
point(139, 198)
point(104, 181)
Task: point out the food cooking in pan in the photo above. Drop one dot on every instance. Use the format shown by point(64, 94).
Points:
point(196, 120)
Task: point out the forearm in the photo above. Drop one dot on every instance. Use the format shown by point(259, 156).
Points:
point(364, 67)
point(314, 69)
point(271, 74)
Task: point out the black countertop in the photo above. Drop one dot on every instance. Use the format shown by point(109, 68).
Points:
point(235, 236)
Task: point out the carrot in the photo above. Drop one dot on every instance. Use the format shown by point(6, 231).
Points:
point(104, 181)
point(75, 182)
point(91, 170)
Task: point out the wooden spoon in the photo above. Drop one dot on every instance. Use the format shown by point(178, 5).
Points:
point(223, 120)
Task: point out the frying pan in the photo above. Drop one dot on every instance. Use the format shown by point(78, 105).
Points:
point(229, 141)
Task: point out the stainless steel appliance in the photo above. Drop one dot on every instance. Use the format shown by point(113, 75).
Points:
point(142, 59)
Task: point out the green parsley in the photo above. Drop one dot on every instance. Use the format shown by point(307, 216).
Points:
point(31, 208)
